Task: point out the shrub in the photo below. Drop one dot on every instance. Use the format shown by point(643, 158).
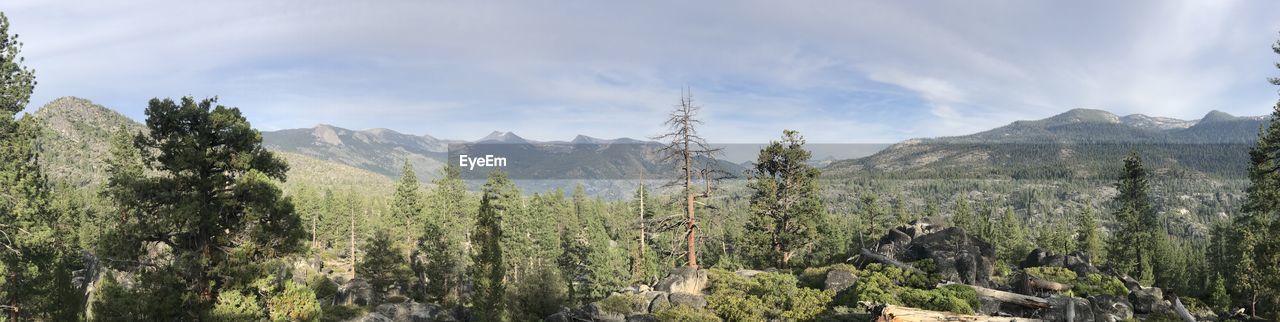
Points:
point(1053, 274)
point(1098, 284)
point(685, 314)
point(816, 277)
point(952, 298)
point(322, 286)
point(236, 306)
point(621, 303)
point(295, 303)
point(540, 295)
point(767, 296)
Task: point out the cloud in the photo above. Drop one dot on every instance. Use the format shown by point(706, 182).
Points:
point(838, 71)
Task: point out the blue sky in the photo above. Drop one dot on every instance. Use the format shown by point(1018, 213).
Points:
point(838, 71)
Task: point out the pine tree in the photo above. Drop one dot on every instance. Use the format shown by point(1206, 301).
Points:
point(383, 264)
point(785, 205)
point(442, 239)
point(1257, 252)
point(1128, 251)
point(35, 249)
point(600, 267)
point(1089, 236)
point(872, 218)
point(500, 199)
point(212, 191)
point(406, 204)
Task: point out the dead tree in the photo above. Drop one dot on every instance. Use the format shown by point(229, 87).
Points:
point(685, 147)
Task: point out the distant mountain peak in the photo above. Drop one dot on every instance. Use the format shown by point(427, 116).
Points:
point(1155, 122)
point(502, 137)
point(327, 134)
point(1217, 116)
point(1083, 115)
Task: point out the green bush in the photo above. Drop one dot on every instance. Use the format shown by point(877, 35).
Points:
point(816, 277)
point(683, 313)
point(951, 298)
point(341, 312)
point(1053, 274)
point(621, 303)
point(766, 296)
point(294, 303)
point(890, 285)
point(927, 265)
point(1098, 284)
point(322, 286)
point(236, 306)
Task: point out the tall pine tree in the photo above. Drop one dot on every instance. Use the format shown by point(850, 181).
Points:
point(1129, 251)
point(500, 199)
point(1257, 269)
point(212, 190)
point(406, 204)
point(785, 205)
point(34, 251)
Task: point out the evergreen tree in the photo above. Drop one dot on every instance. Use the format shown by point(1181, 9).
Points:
point(35, 240)
point(1089, 237)
point(1257, 251)
point(600, 267)
point(872, 218)
point(406, 204)
point(383, 264)
point(441, 244)
point(211, 193)
point(500, 199)
point(785, 204)
point(1128, 252)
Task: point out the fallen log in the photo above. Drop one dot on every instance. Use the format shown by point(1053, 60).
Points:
point(868, 255)
point(893, 313)
point(1008, 297)
point(1182, 310)
point(1041, 284)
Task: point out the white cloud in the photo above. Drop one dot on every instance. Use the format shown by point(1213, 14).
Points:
point(838, 71)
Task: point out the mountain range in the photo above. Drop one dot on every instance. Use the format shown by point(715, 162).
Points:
point(1078, 143)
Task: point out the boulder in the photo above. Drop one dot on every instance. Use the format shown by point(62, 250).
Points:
point(696, 301)
point(356, 291)
point(748, 273)
point(898, 239)
point(1147, 300)
point(1080, 264)
point(838, 280)
point(595, 312)
point(409, 311)
point(642, 318)
point(1110, 308)
point(374, 317)
point(1066, 308)
point(956, 255)
point(565, 315)
point(683, 280)
point(658, 301)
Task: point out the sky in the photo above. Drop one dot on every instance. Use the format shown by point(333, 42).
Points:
point(837, 71)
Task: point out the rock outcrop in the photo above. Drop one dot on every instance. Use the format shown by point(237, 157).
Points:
point(957, 256)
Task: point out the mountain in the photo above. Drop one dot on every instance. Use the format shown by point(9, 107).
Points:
point(380, 151)
point(1080, 143)
point(75, 144)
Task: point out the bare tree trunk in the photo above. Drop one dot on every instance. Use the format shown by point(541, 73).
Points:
point(313, 230)
point(352, 216)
